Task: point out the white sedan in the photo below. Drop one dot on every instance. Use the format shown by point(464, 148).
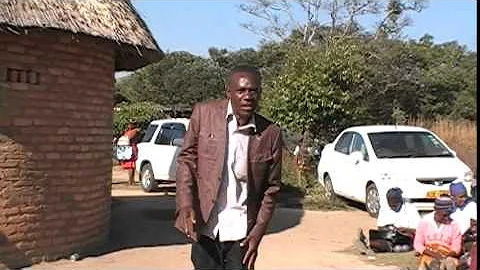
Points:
point(363, 162)
point(158, 151)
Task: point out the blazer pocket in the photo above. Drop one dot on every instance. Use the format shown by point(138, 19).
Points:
point(260, 166)
point(208, 146)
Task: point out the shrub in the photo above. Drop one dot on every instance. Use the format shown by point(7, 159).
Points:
point(142, 113)
point(305, 185)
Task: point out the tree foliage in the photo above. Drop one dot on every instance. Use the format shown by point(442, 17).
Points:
point(314, 92)
point(142, 113)
point(323, 87)
point(180, 78)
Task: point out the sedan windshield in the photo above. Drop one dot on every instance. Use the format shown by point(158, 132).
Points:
point(407, 144)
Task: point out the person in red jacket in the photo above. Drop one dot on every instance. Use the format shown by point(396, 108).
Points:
point(131, 135)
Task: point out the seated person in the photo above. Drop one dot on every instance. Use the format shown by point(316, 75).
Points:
point(469, 246)
point(396, 224)
point(438, 239)
point(464, 206)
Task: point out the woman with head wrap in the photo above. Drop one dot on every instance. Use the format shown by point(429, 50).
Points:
point(438, 239)
point(464, 206)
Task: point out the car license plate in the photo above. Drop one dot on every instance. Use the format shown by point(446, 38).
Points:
point(433, 194)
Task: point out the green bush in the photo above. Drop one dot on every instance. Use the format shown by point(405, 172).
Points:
point(141, 113)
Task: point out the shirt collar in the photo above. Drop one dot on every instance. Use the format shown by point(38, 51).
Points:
point(251, 123)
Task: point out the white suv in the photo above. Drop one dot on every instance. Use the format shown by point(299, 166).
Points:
point(158, 151)
point(363, 162)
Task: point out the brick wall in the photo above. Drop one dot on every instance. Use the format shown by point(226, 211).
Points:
point(55, 144)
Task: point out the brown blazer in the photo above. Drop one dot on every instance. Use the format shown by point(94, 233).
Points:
point(200, 166)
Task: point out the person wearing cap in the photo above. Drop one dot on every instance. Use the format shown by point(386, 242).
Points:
point(464, 206)
point(438, 239)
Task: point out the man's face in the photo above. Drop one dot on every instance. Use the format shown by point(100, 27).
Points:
point(244, 92)
point(442, 216)
point(395, 203)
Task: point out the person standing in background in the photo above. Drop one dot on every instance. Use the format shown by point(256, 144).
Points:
point(129, 141)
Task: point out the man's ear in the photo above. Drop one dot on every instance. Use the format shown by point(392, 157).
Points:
point(227, 92)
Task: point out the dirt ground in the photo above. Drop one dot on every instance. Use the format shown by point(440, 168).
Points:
point(143, 237)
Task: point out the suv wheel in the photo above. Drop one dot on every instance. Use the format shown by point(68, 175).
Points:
point(147, 179)
point(372, 200)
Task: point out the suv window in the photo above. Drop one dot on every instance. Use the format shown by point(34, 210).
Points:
point(169, 132)
point(359, 145)
point(148, 134)
point(343, 144)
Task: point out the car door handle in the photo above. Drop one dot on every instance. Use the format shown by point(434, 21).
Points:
point(357, 162)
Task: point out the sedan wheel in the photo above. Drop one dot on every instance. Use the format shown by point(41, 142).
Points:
point(147, 178)
point(372, 201)
point(329, 192)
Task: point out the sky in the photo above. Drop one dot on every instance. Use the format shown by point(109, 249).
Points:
point(196, 25)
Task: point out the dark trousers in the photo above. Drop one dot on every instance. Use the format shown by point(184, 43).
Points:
point(213, 254)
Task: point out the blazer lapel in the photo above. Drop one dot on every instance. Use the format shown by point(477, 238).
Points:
point(220, 127)
point(253, 143)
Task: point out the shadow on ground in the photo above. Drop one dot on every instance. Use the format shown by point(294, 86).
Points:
point(148, 221)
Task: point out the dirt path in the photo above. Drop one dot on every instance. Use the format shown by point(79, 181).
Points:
point(142, 236)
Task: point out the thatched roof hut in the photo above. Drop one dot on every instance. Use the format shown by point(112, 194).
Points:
point(116, 20)
point(57, 64)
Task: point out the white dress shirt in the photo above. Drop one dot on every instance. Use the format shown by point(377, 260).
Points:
point(407, 217)
point(228, 219)
point(463, 215)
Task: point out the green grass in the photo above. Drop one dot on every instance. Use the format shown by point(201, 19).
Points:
point(401, 259)
point(404, 260)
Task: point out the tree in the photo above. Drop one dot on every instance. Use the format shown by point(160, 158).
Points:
point(179, 79)
point(395, 18)
point(142, 113)
point(277, 19)
point(314, 90)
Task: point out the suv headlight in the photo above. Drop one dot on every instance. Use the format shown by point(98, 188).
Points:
point(468, 176)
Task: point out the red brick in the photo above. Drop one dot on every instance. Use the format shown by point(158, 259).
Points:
point(62, 152)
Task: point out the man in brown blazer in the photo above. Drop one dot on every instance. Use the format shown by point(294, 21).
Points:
point(228, 174)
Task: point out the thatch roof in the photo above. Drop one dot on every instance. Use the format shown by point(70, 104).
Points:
point(116, 20)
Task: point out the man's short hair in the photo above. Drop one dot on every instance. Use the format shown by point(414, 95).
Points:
point(244, 69)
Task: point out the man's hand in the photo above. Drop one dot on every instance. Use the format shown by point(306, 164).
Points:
point(433, 254)
point(187, 216)
point(406, 231)
point(251, 245)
